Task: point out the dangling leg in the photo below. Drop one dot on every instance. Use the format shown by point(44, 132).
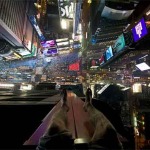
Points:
point(57, 135)
point(88, 99)
point(64, 100)
point(104, 134)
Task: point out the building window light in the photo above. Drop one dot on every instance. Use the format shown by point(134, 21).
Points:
point(72, 35)
point(63, 24)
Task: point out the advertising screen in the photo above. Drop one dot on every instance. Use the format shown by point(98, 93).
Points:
point(49, 52)
point(52, 51)
point(128, 37)
point(143, 66)
point(47, 44)
point(109, 53)
point(22, 51)
point(63, 43)
point(119, 44)
point(74, 67)
point(140, 30)
point(35, 25)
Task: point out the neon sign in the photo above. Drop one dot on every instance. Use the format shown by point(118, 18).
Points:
point(34, 23)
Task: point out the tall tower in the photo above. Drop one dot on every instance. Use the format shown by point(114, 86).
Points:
point(19, 34)
point(12, 19)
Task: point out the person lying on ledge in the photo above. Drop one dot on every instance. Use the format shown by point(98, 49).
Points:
point(59, 137)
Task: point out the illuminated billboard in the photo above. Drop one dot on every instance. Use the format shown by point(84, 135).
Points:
point(74, 67)
point(28, 35)
point(66, 9)
point(50, 52)
point(47, 44)
point(62, 40)
point(12, 56)
point(22, 51)
point(63, 43)
point(108, 53)
point(119, 44)
point(33, 53)
point(143, 66)
point(35, 25)
point(140, 30)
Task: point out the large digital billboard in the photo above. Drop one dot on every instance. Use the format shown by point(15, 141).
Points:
point(47, 44)
point(108, 53)
point(140, 30)
point(119, 44)
point(74, 67)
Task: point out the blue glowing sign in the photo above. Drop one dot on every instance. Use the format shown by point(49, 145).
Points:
point(109, 53)
point(34, 23)
point(139, 30)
